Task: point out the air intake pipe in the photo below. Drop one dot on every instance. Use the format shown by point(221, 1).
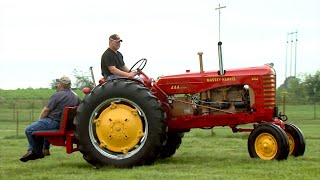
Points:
point(200, 61)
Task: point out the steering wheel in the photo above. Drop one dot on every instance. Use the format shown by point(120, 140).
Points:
point(142, 63)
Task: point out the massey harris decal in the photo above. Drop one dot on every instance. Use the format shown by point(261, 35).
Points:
point(219, 79)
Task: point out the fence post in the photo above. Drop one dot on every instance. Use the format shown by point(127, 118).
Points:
point(32, 111)
point(314, 103)
point(13, 111)
point(314, 110)
point(17, 120)
point(284, 102)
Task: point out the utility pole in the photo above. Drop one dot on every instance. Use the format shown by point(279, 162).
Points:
point(286, 64)
point(291, 55)
point(295, 53)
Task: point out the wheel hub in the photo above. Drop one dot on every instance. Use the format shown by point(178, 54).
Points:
point(266, 146)
point(119, 128)
point(291, 143)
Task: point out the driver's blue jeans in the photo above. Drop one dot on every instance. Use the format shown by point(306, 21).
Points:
point(117, 77)
point(36, 143)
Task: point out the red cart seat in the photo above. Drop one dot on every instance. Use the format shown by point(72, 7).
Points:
point(65, 135)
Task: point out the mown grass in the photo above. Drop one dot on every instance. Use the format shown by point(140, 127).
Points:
point(30, 94)
point(301, 112)
point(204, 154)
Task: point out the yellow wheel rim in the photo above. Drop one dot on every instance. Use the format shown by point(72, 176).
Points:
point(291, 143)
point(119, 128)
point(266, 146)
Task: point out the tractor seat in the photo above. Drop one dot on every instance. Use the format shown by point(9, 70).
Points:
point(65, 135)
point(66, 123)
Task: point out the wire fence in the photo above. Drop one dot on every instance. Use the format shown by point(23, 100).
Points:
point(15, 115)
point(22, 110)
point(20, 113)
point(29, 110)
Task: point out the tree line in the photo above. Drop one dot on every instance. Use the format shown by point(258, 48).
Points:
point(303, 90)
point(82, 80)
point(297, 90)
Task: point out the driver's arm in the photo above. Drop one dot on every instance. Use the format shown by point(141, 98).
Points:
point(125, 68)
point(118, 72)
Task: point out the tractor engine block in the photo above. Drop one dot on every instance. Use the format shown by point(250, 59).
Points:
point(221, 100)
point(230, 98)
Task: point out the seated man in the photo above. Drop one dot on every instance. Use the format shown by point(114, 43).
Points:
point(49, 118)
point(112, 64)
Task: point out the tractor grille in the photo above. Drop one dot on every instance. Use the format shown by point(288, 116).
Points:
point(269, 91)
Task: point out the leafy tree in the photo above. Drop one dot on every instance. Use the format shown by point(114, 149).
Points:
point(296, 91)
point(312, 86)
point(53, 84)
point(304, 90)
point(82, 80)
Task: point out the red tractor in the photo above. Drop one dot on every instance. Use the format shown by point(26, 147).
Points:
point(127, 123)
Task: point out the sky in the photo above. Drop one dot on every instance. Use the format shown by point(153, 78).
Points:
point(42, 40)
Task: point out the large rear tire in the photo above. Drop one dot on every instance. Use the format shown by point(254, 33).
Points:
point(120, 123)
point(268, 141)
point(297, 143)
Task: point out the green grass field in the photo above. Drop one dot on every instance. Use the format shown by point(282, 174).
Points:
point(204, 154)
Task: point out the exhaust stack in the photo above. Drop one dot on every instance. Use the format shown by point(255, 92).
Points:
point(221, 71)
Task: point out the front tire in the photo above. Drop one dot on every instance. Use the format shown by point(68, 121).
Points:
point(120, 123)
point(268, 141)
point(296, 140)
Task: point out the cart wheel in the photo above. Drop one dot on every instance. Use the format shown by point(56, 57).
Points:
point(268, 142)
point(297, 143)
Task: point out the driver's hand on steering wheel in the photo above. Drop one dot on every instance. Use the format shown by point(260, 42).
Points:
point(132, 74)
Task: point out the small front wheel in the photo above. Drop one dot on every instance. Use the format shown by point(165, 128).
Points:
point(297, 143)
point(268, 141)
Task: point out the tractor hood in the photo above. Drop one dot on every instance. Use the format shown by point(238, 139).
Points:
point(190, 83)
